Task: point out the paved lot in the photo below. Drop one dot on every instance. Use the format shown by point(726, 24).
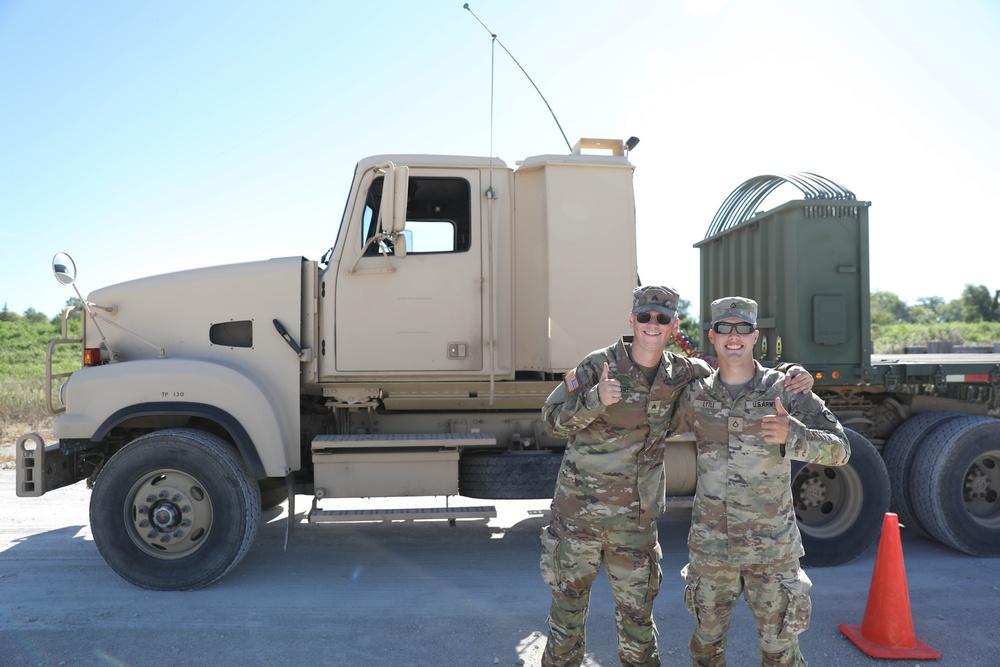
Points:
point(411, 594)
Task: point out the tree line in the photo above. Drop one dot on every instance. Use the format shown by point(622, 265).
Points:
point(975, 305)
point(36, 317)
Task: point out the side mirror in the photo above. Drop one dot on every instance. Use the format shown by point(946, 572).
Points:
point(395, 190)
point(64, 269)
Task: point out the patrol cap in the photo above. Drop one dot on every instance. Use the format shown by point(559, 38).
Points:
point(735, 307)
point(655, 297)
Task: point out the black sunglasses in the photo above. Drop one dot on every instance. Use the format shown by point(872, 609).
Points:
point(644, 318)
point(727, 327)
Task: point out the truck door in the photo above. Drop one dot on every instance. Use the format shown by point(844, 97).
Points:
point(422, 311)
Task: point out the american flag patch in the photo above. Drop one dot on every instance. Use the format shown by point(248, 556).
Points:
point(571, 382)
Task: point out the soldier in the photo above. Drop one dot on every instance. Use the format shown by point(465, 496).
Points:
point(743, 536)
point(615, 408)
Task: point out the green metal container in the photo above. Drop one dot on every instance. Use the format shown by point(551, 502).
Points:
point(805, 262)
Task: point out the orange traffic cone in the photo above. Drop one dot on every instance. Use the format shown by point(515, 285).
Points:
point(887, 628)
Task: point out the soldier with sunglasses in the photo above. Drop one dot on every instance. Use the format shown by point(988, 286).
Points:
point(744, 539)
point(615, 410)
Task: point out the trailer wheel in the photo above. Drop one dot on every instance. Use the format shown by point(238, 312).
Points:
point(839, 508)
point(955, 485)
point(508, 476)
point(174, 510)
point(899, 452)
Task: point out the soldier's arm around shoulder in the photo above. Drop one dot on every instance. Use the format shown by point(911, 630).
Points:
point(797, 378)
point(682, 420)
point(574, 404)
point(687, 368)
point(815, 435)
point(699, 367)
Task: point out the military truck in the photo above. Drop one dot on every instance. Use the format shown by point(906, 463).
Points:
point(411, 360)
point(414, 357)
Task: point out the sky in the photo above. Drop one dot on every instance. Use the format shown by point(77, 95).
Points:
point(148, 137)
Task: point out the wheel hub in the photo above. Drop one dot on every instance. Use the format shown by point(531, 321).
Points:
point(978, 485)
point(812, 493)
point(170, 514)
point(166, 516)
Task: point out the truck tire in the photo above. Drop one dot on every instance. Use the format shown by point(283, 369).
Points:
point(840, 508)
point(174, 510)
point(898, 454)
point(508, 476)
point(955, 485)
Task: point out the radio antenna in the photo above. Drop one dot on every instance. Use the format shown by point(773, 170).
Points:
point(497, 40)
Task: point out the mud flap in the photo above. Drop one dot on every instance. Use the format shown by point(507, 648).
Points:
point(290, 486)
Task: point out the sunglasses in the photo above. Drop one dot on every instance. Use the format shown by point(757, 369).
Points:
point(644, 318)
point(727, 327)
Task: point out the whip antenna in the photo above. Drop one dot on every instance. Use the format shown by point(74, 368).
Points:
point(497, 40)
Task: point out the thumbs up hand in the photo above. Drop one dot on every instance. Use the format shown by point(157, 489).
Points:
point(775, 427)
point(609, 390)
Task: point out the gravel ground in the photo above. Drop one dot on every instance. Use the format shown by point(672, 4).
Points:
point(411, 594)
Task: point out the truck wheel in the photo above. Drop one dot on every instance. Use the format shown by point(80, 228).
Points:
point(898, 454)
point(839, 508)
point(508, 476)
point(174, 510)
point(955, 485)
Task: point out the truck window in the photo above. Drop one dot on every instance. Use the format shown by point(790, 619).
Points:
point(438, 216)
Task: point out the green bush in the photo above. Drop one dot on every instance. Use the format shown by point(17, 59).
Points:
point(23, 343)
point(894, 338)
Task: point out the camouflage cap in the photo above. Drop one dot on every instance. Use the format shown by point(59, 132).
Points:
point(655, 297)
point(735, 307)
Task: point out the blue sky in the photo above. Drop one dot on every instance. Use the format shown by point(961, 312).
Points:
point(145, 137)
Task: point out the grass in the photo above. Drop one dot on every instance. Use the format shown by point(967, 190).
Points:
point(23, 344)
point(23, 400)
point(22, 375)
point(22, 410)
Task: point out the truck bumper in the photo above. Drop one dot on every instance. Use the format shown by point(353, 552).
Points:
point(40, 468)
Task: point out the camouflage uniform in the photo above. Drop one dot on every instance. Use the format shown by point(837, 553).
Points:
point(609, 493)
point(743, 535)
